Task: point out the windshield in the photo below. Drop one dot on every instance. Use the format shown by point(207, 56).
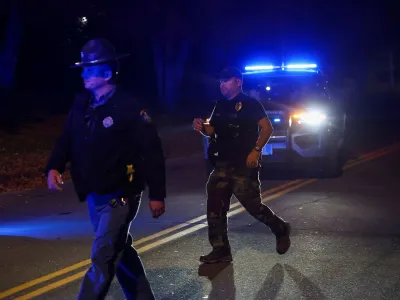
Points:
point(290, 88)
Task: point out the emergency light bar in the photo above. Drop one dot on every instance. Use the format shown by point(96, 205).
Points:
point(301, 66)
point(259, 68)
point(270, 67)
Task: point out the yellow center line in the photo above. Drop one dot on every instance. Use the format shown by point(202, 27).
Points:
point(203, 217)
point(135, 244)
point(52, 286)
point(155, 244)
point(362, 157)
point(380, 154)
point(230, 213)
point(273, 192)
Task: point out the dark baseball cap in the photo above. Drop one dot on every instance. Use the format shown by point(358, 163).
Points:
point(230, 72)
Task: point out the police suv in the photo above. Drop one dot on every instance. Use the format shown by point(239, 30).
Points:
point(309, 122)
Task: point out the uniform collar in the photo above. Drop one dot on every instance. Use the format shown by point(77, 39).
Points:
point(233, 100)
point(103, 99)
point(238, 96)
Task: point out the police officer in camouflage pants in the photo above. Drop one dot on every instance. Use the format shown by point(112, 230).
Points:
point(235, 125)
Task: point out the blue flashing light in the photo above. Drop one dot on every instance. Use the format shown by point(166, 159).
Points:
point(270, 68)
point(302, 70)
point(258, 68)
point(277, 120)
point(301, 66)
point(268, 88)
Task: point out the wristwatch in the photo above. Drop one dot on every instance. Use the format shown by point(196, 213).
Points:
point(258, 148)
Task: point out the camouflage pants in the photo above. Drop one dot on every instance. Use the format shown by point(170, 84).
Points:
point(224, 182)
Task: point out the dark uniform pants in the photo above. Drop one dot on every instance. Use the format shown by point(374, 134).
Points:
point(112, 252)
point(224, 182)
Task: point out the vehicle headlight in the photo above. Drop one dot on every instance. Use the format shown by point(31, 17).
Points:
point(312, 117)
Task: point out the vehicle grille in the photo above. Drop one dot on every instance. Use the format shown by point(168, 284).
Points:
point(279, 122)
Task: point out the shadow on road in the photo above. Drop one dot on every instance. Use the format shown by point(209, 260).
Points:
point(222, 280)
point(223, 283)
point(307, 288)
point(272, 283)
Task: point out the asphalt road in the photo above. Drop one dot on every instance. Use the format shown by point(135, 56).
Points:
point(346, 235)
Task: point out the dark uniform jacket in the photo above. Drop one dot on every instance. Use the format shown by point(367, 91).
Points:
point(113, 148)
point(236, 128)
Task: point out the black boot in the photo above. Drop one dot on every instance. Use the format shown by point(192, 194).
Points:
point(217, 255)
point(283, 239)
point(282, 230)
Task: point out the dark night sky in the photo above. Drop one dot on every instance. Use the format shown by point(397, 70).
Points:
point(334, 33)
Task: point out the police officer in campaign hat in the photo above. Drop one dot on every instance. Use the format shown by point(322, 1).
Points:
point(114, 151)
point(235, 126)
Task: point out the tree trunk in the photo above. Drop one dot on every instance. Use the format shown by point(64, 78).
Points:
point(170, 49)
point(9, 54)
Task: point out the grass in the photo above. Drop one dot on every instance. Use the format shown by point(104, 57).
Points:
point(23, 156)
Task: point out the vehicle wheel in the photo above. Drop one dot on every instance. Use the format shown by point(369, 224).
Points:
point(331, 165)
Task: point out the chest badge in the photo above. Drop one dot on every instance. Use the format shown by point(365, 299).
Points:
point(108, 122)
point(238, 106)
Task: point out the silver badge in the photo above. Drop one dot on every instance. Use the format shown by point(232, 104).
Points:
point(108, 122)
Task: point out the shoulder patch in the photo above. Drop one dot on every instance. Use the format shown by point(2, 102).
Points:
point(145, 116)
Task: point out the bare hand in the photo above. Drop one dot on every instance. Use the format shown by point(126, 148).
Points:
point(252, 159)
point(198, 124)
point(54, 180)
point(157, 208)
